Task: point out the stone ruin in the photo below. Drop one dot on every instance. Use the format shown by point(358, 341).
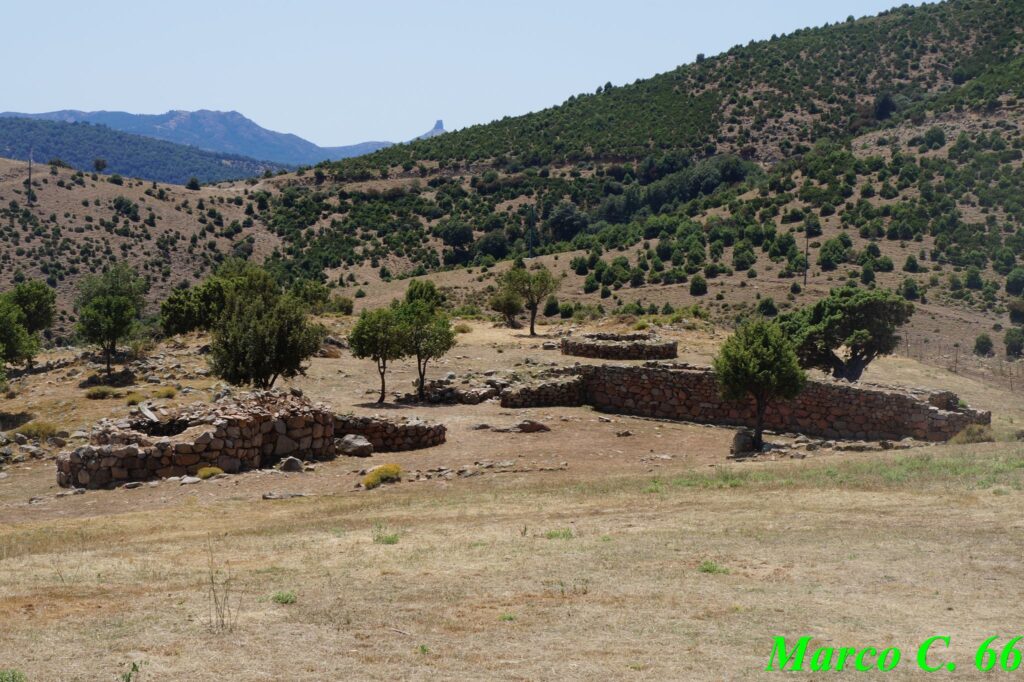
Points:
point(255, 431)
point(387, 435)
point(829, 409)
point(606, 346)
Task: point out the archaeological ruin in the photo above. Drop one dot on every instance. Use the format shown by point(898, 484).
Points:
point(607, 346)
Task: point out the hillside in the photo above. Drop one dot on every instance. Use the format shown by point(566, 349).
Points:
point(80, 144)
point(887, 149)
point(225, 132)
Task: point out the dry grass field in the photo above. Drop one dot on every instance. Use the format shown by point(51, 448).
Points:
point(651, 557)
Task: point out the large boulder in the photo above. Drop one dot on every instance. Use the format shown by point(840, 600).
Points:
point(354, 445)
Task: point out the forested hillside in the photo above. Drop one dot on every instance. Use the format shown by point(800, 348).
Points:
point(81, 144)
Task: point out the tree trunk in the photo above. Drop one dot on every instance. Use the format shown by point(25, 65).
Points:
point(533, 319)
point(851, 370)
point(422, 369)
point(108, 352)
point(762, 404)
point(381, 369)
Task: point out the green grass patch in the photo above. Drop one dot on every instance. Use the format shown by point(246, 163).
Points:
point(165, 392)
point(134, 398)
point(974, 433)
point(381, 536)
point(560, 534)
point(12, 676)
point(708, 566)
point(286, 597)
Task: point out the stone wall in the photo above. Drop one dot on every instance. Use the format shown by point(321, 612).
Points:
point(388, 435)
point(824, 408)
point(637, 346)
point(255, 431)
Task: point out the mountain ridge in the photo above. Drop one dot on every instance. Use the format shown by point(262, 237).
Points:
point(224, 132)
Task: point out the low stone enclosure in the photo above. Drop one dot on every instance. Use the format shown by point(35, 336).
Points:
point(606, 346)
point(825, 408)
point(255, 431)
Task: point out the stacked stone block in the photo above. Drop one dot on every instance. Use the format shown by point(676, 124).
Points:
point(388, 435)
point(824, 408)
point(638, 346)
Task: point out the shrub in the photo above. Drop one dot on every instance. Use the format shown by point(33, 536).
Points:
point(983, 345)
point(37, 430)
point(974, 433)
point(12, 676)
point(134, 398)
point(462, 328)
point(209, 472)
point(342, 305)
point(698, 286)
point(385, 473)
point(288, 597)
point(1014, 342)
point(551, 307)
point(101, 393)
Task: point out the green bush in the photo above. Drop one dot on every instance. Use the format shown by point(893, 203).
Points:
point(12, 676)
point(288, 597)
point(974, 433)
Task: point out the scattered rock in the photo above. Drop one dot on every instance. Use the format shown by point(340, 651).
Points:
point(282, 496)
point(531, 426)
point(624, 434)
point(190, 480)
point(131, 485)
point(291, 464)
point(354, 445)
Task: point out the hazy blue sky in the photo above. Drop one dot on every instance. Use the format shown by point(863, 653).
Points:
point(338, 72)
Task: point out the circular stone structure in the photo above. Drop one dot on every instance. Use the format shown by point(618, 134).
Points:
point(606, 346)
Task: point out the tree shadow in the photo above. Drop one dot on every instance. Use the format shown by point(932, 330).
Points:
point(121, 379)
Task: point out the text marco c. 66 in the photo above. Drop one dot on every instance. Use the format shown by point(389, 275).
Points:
point(932, 655)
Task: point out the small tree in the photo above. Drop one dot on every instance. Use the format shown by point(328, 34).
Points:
point(17, 344)
point(37, 302)
point(262, 335)
point(192, 184)
point(105, 320)
point(758, 362)
point(108, 305)
point(531, 287)
point(427, 334)
point(508, 304)
point(99, 165)
point(378, 335)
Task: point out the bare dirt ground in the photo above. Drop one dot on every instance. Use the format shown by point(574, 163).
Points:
point(649, 557)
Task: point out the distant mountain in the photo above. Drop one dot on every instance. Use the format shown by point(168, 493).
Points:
point(226, 132)
point(79, 144)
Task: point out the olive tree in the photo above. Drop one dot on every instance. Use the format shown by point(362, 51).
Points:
point(759, 363)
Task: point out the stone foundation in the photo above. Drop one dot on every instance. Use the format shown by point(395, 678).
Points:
point(391, 435)
point(255, 431)
point(824, 408)
point(638, 346)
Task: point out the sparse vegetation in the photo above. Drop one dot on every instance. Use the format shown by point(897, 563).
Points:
point(385, 473)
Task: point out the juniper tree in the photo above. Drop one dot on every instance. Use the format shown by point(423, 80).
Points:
point(758, 362)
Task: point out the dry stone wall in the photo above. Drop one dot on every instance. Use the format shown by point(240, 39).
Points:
point(252, 432)
point(638, 346)
point(391, 435)
point(824, 408)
